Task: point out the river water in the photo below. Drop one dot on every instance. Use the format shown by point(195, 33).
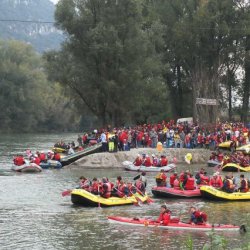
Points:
point(34, 215)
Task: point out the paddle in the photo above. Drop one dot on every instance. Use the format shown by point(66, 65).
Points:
point(149, 200)
point(66, 192)
point(99, 204)
point(137, 198)
point(136, 177)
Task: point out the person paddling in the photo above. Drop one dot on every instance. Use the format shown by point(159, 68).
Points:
point(164, 217)
point(243, 184)
point(161, 179)
point(197, 217)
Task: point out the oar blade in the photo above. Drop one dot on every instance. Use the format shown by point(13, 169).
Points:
point(66, 192)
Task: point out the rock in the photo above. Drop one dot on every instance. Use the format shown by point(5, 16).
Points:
point(114, 160)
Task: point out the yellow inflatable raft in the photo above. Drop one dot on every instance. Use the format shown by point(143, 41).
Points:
point(233, 167)
point(212, 193)
point(85, 198)
point(226, 144)
point(59, 150)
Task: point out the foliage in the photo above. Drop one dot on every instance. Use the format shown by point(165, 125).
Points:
point(134, 61)
point(111, 63)
point(30, 102)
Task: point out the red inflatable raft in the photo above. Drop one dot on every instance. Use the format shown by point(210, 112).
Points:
point(173, 225)
point(175, 193)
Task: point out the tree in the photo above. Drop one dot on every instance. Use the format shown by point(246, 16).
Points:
point(107, 59)
point(30, 102)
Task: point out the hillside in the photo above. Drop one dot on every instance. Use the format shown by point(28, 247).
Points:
point(16, 22)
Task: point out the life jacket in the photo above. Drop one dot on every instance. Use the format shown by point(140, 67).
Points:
point(84, 184)
point(106, 190)
point(229, 184)
point(244, 186)
point(172, 178)
point(121, 190)
point(164, 161)
point(42, 157)
point(182, 177)
point(161, 176)
point(201, 217)
point(204, 179)
point(139, 185)
point(176, 184)
point(216, 182)
point(190, 184)
point(57, 157)
point(36, 160)
point(220, 157)
point(147, 162)
point(19, 161)
point(138, 161)
point(164, 218)
point(95, 187)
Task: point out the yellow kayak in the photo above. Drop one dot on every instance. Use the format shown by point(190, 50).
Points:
point(245, 149)
point(226, 144)
point(212, 193)
point(59, 150)
point(85, 198)
point(233, 167)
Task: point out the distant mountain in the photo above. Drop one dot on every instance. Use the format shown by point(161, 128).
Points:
point(16, 22)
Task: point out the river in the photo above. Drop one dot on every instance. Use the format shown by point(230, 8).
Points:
point(34, 215)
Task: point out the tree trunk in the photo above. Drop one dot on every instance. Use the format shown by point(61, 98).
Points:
point(180, 92)
point(230, 100)
point(246, 85)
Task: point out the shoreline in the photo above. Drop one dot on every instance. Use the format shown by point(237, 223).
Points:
point(108, 160)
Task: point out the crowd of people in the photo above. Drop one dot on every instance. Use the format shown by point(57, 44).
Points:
point(186, 181)
point(37, 157)
point(147, 161)
point(170, 134)
point(120, 188)
point(237, 157)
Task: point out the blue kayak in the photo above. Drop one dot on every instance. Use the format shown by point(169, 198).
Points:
point(51, 164)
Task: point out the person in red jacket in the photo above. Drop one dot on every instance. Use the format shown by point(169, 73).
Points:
point(42, 157)
point(204, 179)
point(57, 157)
point(243, 184)
point(147, 161)
point(163, 161)
point(106, 188)
point(197, 217)
point(95, 186)
point(19, 160)
point(172, 178)
point(138, 161)
point(190, 183)
point(84, 183)
point(164, 217)
point(122, 190)
point(161, 179)
point(36, 160)
point(216, 181)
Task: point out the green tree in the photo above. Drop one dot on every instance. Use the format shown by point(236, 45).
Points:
point(30, 102)
point(108, 59)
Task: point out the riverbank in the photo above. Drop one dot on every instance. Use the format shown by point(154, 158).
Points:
point(114, 160)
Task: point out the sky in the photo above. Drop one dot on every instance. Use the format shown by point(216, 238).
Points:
point(54, 1)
